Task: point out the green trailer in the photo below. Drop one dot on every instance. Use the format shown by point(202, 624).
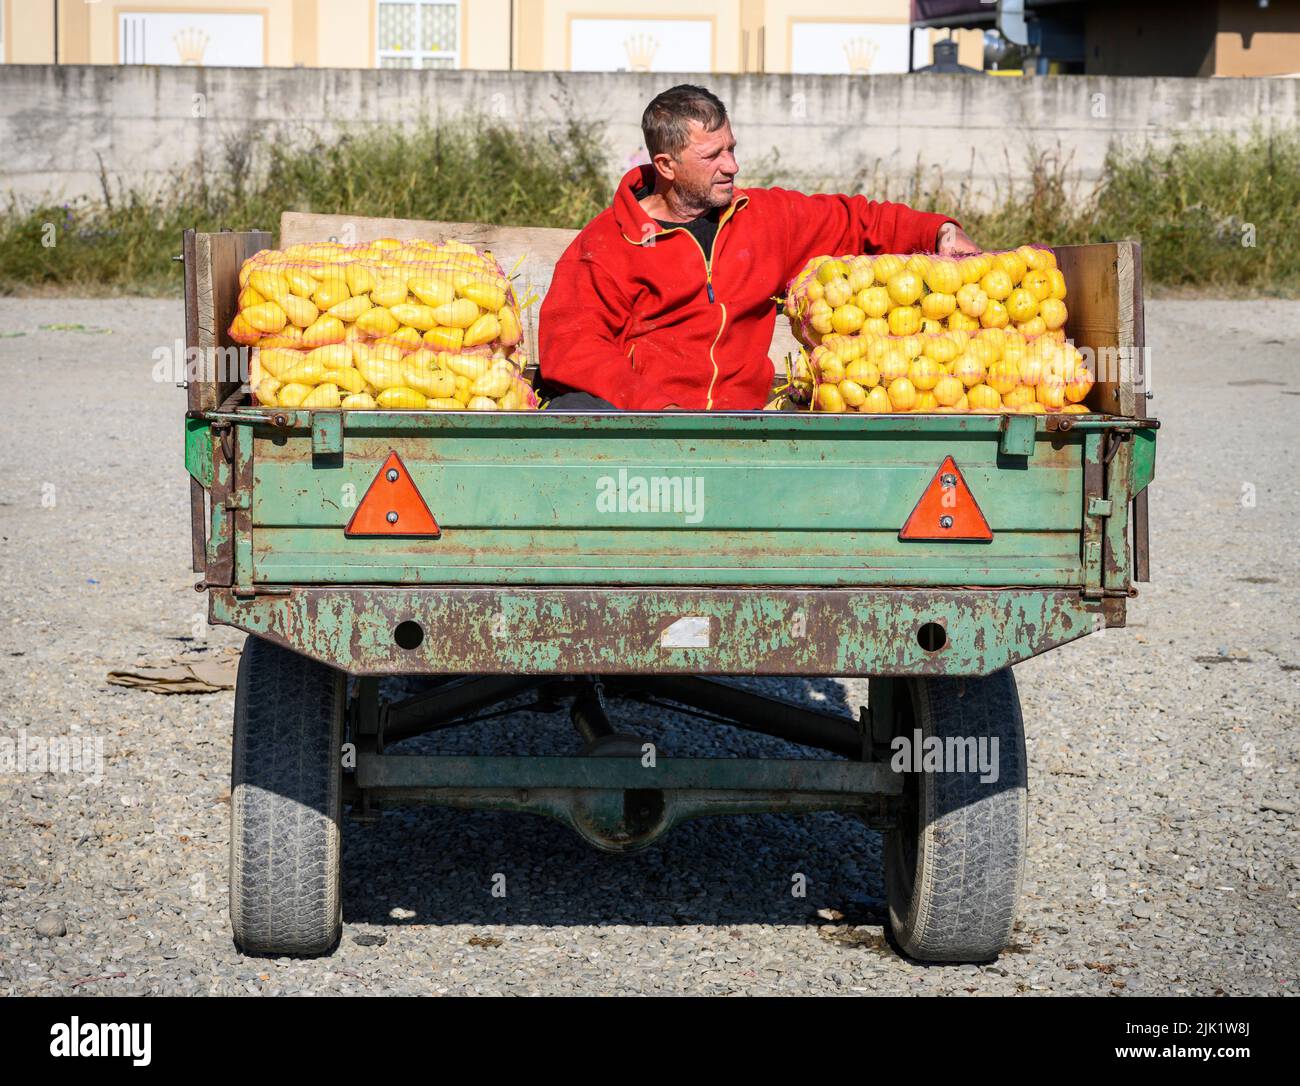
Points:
point(647, 557)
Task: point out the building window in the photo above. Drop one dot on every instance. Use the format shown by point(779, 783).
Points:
point(418, 35)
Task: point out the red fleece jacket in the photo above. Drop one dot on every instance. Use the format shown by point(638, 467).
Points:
point(636, 316)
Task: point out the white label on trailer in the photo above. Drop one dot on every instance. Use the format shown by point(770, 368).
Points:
point(691, 632)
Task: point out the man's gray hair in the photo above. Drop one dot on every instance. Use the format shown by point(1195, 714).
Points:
point(665, 120)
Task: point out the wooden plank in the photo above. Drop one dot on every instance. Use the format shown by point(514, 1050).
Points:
point(529, 252)
point(538, 248)
point(1141, 384)
point(193, 392)
point(1100, 290)
point(1127, 271)
point(190, 257)
point(1103, 282)
point(217, 258)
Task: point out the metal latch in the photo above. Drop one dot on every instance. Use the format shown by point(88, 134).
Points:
point(326, 432)
point(1099, 507)
point(1018, 435)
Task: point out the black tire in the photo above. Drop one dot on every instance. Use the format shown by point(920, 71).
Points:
point(955, 865)
point(285, 803)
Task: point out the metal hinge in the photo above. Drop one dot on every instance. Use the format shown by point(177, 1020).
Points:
point(1017, 437)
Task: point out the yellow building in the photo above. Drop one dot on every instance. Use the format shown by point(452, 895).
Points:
point(825, 36)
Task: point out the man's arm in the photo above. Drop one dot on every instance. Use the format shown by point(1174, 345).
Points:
point(834, 224)
point(579, 328)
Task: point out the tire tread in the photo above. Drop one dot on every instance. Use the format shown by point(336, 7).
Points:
point(286, 803)
point(970, 854)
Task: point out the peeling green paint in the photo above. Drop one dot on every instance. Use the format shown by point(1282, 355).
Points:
point(1144, 459)
point(794, 560)
point(198, 450)
point(622, 631)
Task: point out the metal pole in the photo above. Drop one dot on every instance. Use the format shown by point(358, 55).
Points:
point(426, 712)
point(770, 716)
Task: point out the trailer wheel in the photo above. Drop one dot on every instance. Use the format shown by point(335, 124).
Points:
point(285, 803)
point(954, 865)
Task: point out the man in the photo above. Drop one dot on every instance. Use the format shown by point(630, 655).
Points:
point(665, 300)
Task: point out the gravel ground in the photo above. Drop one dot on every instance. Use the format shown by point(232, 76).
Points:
point(1162, 757)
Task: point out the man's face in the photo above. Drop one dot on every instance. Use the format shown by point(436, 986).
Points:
point(704, 172)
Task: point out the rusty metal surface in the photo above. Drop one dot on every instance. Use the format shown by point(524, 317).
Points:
point(1141, 537)
point(711, 631)
point(425, 712)
point(676, 422)
point(220, 550)
point(1114, 611)
point(1090, 541)
point(1116, 575)
point(757, 712)
point(241, 507)
point(198, 526)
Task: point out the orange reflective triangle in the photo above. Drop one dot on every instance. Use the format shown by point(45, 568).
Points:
point(392, 505)
point(947, 510)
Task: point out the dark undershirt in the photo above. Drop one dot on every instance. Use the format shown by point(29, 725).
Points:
point(704, 229)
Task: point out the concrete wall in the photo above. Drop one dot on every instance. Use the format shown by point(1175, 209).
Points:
point(57, 125)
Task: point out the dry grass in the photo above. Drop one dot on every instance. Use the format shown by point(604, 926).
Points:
point(1211, 214)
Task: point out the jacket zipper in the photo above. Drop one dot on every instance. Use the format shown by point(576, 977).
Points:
point(708, 286)
point(713, 247)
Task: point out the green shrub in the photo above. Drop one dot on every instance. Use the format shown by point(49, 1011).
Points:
point(1213, 213)
point(465, 173)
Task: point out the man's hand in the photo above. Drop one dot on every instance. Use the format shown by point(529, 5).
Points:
point(952, 241)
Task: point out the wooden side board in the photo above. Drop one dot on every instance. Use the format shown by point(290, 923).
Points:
point(215, 285)
point(1104, 298)
point(1104, 284)
point(530, 252)
point(535, 249)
